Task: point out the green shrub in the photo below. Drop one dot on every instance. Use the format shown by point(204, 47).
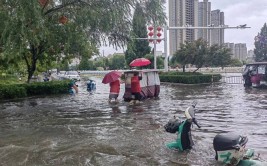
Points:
point(51, 87)
point(179, 73)
point(190, 79)
point(12, 91)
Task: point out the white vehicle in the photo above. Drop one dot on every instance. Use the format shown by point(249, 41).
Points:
point(72, 75)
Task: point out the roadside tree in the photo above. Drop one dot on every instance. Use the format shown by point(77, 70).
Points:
point(31, 29)
point(149, 12)
point(117, 62)
point(260, 50)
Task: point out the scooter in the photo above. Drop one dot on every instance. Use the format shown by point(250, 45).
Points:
point(184, 139)
point(229, 148)
point(91, 86)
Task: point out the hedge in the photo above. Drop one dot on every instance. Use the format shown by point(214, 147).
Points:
point(11, 91)
point(189, 77)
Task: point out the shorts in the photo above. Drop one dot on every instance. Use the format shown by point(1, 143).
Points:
point(113, 96)
point(137, 96)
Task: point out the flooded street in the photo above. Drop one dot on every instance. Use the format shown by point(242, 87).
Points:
point(86, 130)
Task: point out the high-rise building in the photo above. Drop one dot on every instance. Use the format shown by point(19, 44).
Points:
point(232, 48)
point(204, 9)
point(182, 13)
point(239, 50)
point(251, 56)
point(217, 35)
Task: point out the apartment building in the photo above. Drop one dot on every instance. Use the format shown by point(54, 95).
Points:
point(217, 35)
point(182, 13)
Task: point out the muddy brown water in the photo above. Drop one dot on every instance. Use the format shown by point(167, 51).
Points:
point(85, 130)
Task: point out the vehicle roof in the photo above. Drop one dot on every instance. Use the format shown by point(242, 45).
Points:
point(257, 63)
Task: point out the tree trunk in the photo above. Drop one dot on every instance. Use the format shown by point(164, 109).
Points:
point(31, 61)
point(195, 70)
point(183, 68)
point(31, 68)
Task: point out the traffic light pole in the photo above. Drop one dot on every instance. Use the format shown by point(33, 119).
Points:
point(155, 48)
point(166, 60)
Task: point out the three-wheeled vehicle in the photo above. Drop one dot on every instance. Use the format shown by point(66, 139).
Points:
point(149, 82)
point(255, 75)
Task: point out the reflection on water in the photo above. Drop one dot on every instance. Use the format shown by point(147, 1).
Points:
point(85, 130)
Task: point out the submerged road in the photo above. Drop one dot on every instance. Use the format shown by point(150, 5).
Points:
point(86, 130)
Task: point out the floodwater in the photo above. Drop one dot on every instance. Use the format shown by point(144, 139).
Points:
point(86, 130)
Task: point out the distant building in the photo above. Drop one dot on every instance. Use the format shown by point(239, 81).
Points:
point(241, 51)
point(204, 19)
point(232, 48)
point(251, 56)
point(238, 50)
point(182, 13)
point(217, 35)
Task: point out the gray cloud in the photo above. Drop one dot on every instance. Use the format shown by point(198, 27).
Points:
point(237, 12)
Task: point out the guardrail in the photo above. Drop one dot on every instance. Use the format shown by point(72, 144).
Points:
point(232, 79)
point(202, 70)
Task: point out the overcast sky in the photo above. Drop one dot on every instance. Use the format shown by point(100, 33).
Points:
point(236, 12)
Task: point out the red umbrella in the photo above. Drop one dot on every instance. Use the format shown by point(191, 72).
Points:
point(140, 62)
point(111, 77)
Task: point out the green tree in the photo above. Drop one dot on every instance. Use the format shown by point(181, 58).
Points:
point(102, 62)
point(260, 50)
point(200, 48)
point(236, 62)
point(139, 47)
point(160, 61)
point(219, 56)
point(150, 12)
point(64, 65)
point(117, 62)
point(199, 54)
point(155, 15)
point(84, 64)
point(184, 55)
point(29, 30)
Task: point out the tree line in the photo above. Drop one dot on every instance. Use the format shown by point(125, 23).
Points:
point(36, 35)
